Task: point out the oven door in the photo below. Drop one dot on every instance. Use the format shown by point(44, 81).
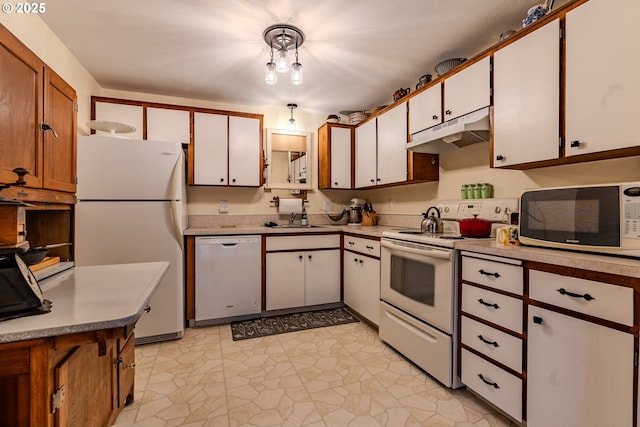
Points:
point(419, 279)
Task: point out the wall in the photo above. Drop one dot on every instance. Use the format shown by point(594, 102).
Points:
point(468, 165)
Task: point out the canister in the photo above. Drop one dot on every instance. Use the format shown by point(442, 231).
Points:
point(477, 191)
point(486, 191)
point(463, 191)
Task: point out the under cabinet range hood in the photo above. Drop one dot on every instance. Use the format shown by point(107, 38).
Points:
point(452, 134)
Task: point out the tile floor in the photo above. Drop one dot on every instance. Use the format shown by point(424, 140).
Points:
point(336, 376)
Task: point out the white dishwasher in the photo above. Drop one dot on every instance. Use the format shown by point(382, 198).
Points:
point(228, 274)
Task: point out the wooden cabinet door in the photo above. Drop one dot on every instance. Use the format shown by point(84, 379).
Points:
point(59, 147)
point(602, 69)
point(244, 151)
point(340, 157)
point(132, 115)
point(285, 280)
point(20, 111)
point(87, 381)
point(366, 154)
point(392, 141)
point(322, 277)
point(526, 107)
point(210, 145)
point(578, 373)
point(425, 109)
point(164, 124)
point(467, 90)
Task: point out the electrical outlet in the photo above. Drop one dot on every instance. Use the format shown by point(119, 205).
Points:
point(328, 205)
point(389, 204)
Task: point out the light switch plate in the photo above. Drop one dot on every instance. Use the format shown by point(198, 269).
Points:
point(224, 207)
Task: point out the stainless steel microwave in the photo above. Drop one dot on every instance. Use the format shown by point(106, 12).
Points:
point(597, 218)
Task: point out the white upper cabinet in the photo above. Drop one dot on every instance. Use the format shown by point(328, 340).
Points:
point(526, 98)
point(602, 76)
point(366, 154)
point(392, 141)
point(340, 157)
point(425, 109)
point(244, 151)
point(210, 149)
point(165, 124)
point(121, 113)
point(468, 90)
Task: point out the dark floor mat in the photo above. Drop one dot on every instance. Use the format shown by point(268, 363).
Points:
point(290, 323)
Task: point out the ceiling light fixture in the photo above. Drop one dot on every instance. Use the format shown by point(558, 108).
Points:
point(283, 38)
point(292, 121)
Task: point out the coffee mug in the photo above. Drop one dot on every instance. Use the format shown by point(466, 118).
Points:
point(507, 236)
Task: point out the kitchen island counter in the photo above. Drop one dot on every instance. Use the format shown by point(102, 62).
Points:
point(629, 267)
point(88, 299)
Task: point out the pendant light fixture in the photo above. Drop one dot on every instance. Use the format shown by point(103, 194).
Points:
point(283, 38)
point(292, 121)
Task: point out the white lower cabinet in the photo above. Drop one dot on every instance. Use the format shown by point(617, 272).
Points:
point(302, 271)
point(578, 373)
point(362, 277)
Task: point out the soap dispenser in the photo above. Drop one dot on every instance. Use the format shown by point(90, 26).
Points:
point(303, 217)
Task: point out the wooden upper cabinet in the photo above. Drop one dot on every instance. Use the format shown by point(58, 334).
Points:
point(20, 110)
point(59, 143)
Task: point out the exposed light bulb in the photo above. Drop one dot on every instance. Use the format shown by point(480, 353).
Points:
point(296, 73)
point(282, 62)
point(292, 124)
point(270, 75)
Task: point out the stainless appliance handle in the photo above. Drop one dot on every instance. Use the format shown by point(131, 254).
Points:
point(175, 215)
point(424, 251)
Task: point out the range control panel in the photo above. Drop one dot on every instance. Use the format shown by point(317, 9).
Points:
point(495, 210)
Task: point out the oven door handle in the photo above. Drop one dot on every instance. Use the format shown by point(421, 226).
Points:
point(427, 251)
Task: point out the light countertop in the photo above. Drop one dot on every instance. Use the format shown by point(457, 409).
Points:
point(629, 267)
point(365, 230)
point(89, 298)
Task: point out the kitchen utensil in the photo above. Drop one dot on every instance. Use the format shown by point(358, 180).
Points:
point(446, 65)
point(431, 223)
point(336, 217)
point(401, 93)
point(475, 227)
point(34, 255)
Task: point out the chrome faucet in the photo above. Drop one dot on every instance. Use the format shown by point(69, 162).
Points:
point(292, 218)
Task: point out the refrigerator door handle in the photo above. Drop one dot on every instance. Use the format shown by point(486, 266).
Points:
point(176, 216)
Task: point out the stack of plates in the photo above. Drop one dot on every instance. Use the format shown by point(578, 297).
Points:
point(355, 117)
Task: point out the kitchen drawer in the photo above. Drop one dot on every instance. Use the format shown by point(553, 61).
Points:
point(604, 300)
point(313, 241)
point(498, 275)
point(495, 308)
point(363, 246)
point(497, 345)
point(504, 390)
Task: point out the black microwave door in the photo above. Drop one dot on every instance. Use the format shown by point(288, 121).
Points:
point(588, 216)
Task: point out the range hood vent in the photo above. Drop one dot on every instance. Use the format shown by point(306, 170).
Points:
point(453, 134)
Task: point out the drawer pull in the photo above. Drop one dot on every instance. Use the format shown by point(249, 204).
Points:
point(351, 243)
point(563, 291)
point(481, 301)
point(486, 341)
point(537, 320)
point(486, 273)
point(369, 247)
point(494, 385)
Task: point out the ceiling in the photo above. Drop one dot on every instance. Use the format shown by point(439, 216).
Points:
point(356, 53)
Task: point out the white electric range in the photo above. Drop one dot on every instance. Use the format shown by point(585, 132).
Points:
point(418, 286)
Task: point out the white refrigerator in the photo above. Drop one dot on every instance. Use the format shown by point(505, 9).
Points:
point(131, 195)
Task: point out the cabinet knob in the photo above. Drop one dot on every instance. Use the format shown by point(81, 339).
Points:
point(300, 257)
point(233, 180)
point(373, 180)
point(378, 179)
point(147, 309)
point(335, 183)
point(355, 260)
point(537, 320)
point(310, 258)
point(434, 117)
point(448, 112)
point(499, 157)
point(360, 261)
point(575, 144)
point(221, 179)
